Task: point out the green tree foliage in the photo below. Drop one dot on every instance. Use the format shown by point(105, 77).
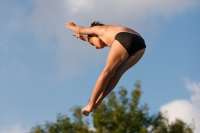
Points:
point(117, 114)
point(64, 124)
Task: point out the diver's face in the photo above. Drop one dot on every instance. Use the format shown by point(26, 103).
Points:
point(97, 42)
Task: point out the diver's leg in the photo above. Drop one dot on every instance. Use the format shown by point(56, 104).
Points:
point(131, 61)
point(116, 57)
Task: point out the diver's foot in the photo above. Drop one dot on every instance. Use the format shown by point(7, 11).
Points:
point(86, 111)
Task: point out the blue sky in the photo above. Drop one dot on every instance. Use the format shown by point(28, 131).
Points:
point(45, 71)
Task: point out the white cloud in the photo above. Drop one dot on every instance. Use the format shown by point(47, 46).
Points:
point(86, 5)
point(129, 10)
point(194, 87)
point(186, 109)
point(13, 129)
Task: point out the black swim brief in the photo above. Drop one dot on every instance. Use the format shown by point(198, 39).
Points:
point(131, 42)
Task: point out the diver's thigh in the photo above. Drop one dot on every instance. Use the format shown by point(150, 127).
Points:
point(131, 61)
point(116, 56)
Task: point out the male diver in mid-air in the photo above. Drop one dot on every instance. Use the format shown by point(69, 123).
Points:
point(126, 49)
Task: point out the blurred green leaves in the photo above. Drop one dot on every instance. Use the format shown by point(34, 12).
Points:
point(118, 113)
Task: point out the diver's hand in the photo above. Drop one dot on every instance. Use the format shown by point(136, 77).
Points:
point(70, 25)
point(77, 36)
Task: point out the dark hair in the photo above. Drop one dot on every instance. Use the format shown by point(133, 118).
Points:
point(95, 23)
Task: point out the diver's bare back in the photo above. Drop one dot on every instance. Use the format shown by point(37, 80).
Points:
point(108, 32)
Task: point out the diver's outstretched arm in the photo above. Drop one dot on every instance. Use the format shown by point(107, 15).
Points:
point(84, 38)
point(83, 30)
